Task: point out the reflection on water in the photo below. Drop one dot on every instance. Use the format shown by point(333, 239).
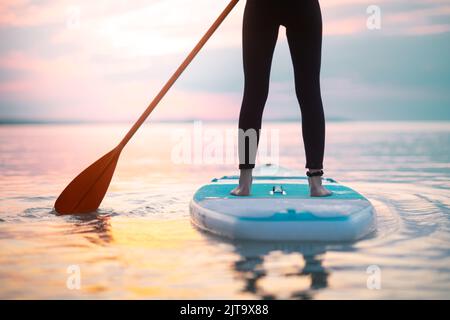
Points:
point(250, 268)
point(95, 228)
point(141, 244)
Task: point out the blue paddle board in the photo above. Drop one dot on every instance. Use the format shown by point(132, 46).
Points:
point(281, 209)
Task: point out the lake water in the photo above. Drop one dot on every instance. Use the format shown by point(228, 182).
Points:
point(141, 244)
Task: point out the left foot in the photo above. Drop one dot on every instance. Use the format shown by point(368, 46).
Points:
point(245, 184)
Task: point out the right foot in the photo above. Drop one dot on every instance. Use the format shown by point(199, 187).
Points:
point(316, 189)
point(245, 184)
point(241, 191)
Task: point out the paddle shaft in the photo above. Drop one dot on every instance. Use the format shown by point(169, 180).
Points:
point(177, 73)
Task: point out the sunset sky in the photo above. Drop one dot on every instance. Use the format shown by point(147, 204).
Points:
point(105, 60)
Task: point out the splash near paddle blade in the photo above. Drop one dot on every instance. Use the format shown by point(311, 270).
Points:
point(85, 193)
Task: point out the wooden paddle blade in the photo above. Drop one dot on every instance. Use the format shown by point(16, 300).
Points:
point(85, 193)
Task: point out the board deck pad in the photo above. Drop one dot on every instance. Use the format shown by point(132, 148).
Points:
point(280, 208)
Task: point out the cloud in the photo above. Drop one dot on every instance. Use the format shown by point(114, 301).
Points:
point(107, 59)
point(423, 21)
point(26, 13)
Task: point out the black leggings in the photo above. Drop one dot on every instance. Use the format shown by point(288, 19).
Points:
point(303, 22)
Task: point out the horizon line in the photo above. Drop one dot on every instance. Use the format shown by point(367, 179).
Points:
point(18, 121)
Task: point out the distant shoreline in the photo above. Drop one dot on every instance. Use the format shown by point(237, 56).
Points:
point(6, 122)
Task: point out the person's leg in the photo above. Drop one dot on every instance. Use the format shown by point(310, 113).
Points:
point(260, 32)
point(303, 22)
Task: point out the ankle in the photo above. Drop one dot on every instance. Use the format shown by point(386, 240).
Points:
point(314, 173)
point(245, 177)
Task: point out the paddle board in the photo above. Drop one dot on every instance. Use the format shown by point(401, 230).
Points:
point(280, 208)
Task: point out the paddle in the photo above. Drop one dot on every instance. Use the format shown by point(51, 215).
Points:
point(85, 193)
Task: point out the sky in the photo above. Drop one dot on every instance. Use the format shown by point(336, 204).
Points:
point(83, 60)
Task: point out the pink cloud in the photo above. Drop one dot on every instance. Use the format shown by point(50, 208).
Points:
point(345, 26)
point(182, 104)
point(26, 13)
point(419, 22)
point(428, 29)
point(131, 34)
point(81, 92)
point(47, 81)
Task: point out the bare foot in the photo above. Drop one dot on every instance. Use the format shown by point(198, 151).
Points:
point(316, 189)
point(245, 184)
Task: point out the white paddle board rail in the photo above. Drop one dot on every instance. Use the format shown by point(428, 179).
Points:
point(281, 209)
